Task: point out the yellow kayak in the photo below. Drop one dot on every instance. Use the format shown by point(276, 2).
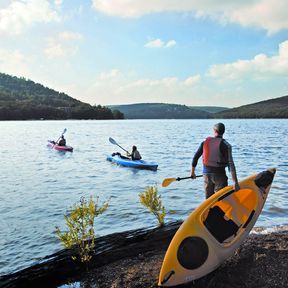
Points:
point(214, 230)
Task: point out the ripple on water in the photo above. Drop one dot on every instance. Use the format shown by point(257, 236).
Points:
point(277, 210)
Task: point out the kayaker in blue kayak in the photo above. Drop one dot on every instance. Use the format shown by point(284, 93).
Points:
point(216, 154)
point(135, 155)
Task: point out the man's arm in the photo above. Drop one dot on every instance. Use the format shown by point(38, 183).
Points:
point(232, 168)
point(196, 157)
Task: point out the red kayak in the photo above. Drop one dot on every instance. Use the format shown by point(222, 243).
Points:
point(53, 145)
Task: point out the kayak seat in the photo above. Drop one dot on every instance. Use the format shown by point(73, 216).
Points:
point(238, 206)
point(218, 226)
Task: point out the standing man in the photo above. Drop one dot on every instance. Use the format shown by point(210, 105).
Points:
point(216, 154)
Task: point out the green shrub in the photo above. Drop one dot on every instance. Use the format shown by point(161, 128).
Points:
point(151, 200)
point(80, 222)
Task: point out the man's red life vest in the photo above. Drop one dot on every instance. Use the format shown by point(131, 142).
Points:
point(212, 155)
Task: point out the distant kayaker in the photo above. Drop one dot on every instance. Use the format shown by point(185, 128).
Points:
point(62, 141)
point(135, 155)
point(216, 154)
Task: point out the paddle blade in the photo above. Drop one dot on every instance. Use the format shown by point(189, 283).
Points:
point(166, 182)
point(111, 140)
point(64, 131)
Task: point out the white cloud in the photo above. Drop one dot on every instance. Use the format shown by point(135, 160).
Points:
point(19, 15)
point(64, 44)
point(113, 74)
point(191, 81)
point(127, 82)
point(270, 15)
point(260, 67)
point(68, 35)
point(58, 2)
point(158, 43)
point(167, 82)
point(14, 63)
point(171, 43)
point(117, 87)
point(55, 50)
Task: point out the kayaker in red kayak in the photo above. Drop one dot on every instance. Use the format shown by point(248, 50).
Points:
point(62, 141)
point(60, 144)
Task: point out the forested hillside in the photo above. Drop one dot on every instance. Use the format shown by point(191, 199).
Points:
point(22, 99)
point(273, 108)
point(210, 109)
point(160, 111)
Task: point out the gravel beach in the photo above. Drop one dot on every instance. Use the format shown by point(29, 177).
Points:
point(261, 261)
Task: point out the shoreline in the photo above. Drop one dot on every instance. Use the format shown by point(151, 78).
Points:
point(133, 259)
point(261, 261)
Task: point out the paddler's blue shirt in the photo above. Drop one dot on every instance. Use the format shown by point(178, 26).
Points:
point(225, 149)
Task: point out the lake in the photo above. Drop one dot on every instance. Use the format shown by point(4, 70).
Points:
point(38, 185)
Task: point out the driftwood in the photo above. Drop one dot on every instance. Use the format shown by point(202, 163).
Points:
point(59, 268)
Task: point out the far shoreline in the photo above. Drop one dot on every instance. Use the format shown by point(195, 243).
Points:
point(133, 119)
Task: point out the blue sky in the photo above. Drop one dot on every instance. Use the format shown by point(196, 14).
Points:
point(223, 53)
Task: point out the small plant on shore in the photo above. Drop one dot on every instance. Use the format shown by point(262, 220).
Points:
point(151, 200)
point(80, 224)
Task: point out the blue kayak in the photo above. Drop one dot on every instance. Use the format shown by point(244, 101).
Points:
point(140, 164)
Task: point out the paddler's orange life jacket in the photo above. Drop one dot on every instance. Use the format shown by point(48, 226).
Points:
point(212, 155)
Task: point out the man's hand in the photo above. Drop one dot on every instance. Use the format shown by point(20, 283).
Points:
point(236, 186)
point(193, 175)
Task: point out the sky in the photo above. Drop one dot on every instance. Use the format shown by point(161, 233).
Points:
point(109, 52)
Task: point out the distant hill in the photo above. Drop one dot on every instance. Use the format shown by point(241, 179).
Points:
point(210, 109)
point(160, 111)
point(22, 99)
point(273, 108)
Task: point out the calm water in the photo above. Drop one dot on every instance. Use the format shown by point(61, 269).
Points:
point(39, 185)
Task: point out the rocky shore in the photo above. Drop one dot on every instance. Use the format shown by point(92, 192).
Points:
point(261, 261)
point(133, 259)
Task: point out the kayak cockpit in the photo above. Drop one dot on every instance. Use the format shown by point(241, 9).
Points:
point(231, 212)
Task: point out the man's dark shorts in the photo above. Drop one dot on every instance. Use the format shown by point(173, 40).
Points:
point(214, 182)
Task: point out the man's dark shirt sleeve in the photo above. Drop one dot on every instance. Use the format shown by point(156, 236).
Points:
point(197, 155)
point(224, 148)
